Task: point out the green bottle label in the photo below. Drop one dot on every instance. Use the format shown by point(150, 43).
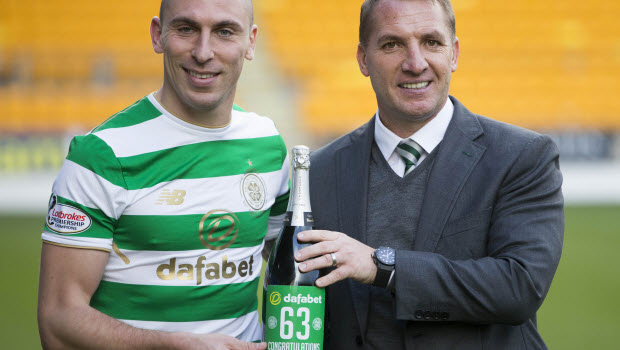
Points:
point(295, 318)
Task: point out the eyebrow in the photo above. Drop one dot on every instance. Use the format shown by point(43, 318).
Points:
point(183, 20)
point(189, 21)
point(229, 23)
point(433, 35)
point(388, 37)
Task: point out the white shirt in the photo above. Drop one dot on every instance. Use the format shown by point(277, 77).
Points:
point(428, 137)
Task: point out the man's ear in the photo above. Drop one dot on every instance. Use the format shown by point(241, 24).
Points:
point(156, 38)
point(456, 48)
point(361, 59)
point(249, 53)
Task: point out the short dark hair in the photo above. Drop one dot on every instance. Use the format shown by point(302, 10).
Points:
point(369, 5)
point(162, 8)
point(164, 4)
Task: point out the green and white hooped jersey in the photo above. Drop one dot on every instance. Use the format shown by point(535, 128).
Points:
point(183, 211)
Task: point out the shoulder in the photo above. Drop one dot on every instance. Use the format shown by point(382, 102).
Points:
point(514, 149)
point(122, 132)
point(513, 143)
point(137, 113)
point(500, 131)
point(253, 123)
point(89, 146)
point(524, 158)
point(261, 129)
point(495, 135)
point(97, 150)
point(93, 154)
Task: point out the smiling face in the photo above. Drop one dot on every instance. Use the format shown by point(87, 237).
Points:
point(204, 44)
point(409, 56)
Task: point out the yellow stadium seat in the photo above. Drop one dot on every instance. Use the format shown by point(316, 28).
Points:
point(540, 64)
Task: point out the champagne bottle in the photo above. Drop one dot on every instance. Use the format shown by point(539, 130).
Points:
point(293, 308)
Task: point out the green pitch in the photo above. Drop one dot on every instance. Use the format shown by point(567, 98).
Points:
point(579, 312)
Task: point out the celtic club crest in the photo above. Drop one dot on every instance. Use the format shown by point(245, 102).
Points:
point(253, 191)
point(272, 322)
point(317, 323)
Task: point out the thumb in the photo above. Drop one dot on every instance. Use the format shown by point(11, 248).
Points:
point(258, 346)
point(253, 346)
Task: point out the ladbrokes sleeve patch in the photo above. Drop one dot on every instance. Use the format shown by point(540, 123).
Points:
point(66, 219)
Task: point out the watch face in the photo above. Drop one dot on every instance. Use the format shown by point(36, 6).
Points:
point(386, 255)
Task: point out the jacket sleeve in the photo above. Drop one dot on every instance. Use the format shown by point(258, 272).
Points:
point(523, 244)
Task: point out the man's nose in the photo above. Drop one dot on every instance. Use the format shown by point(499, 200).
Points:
point(415, 62)
point(203, 51)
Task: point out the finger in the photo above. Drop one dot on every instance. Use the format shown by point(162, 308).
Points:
point(336, 275)
point(321, 262)
point(241, 345)
point(318, 236)
point(315, 250)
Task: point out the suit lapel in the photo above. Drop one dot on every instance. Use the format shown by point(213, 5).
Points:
point(456, 157)
point(352, 164)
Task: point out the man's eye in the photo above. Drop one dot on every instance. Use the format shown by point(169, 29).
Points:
point(225, 32)
point(433, 43)
point(185, 30)
point(389, 45)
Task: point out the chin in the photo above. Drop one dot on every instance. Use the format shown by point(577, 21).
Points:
point(423, 112)
point(203, 102)
point(416, 113)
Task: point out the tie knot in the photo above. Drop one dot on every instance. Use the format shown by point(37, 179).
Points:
point(410, 152)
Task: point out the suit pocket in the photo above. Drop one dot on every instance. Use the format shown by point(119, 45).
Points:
point(467, 223)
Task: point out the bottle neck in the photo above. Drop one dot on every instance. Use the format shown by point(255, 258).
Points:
point(299, 200)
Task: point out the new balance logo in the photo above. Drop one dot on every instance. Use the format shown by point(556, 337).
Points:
point(171, 197)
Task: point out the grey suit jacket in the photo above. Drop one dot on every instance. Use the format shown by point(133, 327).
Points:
point(487, 246)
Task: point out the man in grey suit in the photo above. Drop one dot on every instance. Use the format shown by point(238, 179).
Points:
point(443, 228)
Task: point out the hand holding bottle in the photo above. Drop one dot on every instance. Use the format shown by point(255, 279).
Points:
point(353, 258)
point(216, 341)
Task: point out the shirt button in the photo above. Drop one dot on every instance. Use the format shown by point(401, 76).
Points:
point(418, 314)
point(359, 341)
point(427, 315)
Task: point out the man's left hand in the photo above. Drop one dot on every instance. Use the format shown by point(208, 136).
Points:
point(353, 258)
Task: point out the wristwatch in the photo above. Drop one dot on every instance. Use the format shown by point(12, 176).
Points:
point(385, 259)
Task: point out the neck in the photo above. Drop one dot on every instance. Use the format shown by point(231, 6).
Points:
point(216, 117)
point(405, 125)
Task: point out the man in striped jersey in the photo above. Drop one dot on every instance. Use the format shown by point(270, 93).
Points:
point(158, 217)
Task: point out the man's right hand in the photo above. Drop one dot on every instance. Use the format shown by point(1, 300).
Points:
point(218, 342)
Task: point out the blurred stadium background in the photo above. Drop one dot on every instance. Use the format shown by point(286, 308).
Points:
point(553, 66)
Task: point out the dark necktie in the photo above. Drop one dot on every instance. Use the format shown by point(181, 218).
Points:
point(410, 152)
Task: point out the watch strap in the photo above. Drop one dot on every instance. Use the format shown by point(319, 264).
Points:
point(391, 282)
point(384, 271)
point(383, 276)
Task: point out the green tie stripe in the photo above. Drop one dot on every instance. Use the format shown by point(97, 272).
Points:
point(410, 152)
point(405, 146)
